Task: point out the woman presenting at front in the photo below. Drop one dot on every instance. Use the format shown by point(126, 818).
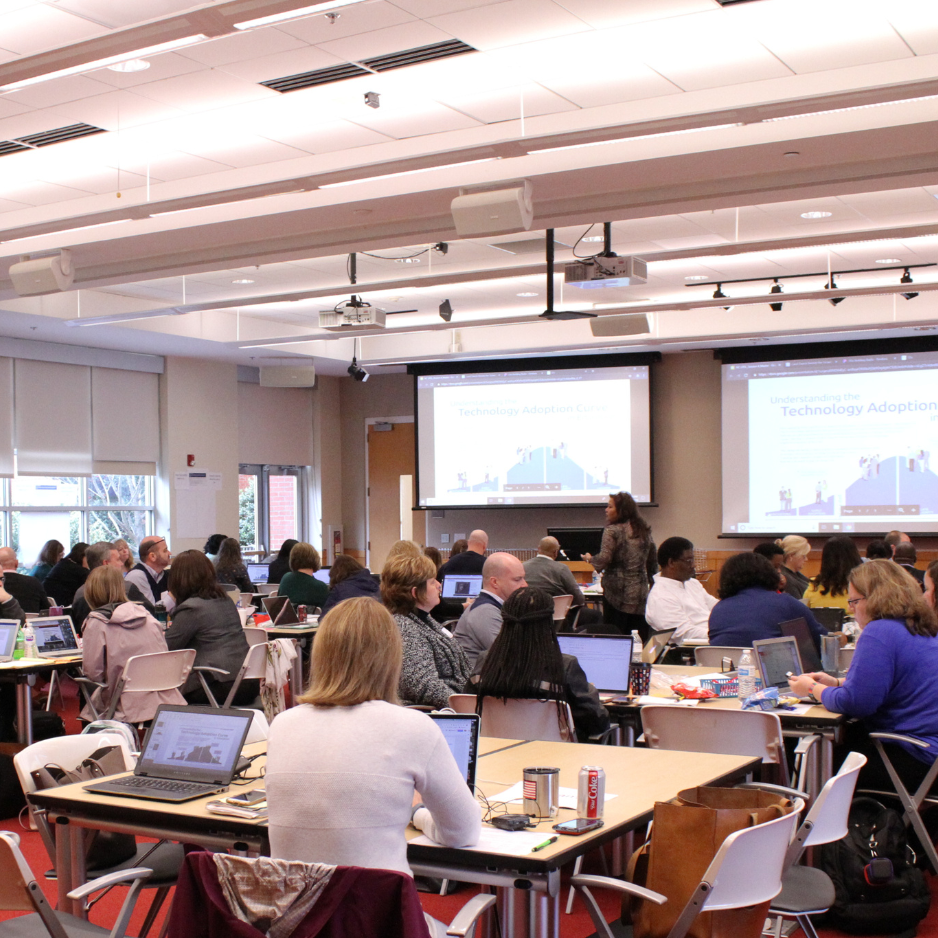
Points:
point(343, 768)
point(892, 684)
point(627, 562)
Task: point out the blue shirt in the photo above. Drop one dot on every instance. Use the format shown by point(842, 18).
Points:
point(892, 685)
point(755, 613)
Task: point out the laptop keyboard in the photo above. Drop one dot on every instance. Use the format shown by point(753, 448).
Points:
point(161, 784)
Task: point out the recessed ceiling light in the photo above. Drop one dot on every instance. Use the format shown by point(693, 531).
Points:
point(243, 280)
point(407, 260)
point(593, 238)
point(889, 260)
point(816, 214)
point(133, 65)
point(696, 277)
point(525, 294)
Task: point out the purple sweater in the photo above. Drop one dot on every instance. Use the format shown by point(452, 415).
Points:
point(892, 685)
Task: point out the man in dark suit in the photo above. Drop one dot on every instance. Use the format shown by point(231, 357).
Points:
point(904, 555)
point(470, 560)
point(26, 590)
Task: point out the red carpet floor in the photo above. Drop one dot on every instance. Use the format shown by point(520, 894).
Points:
point(445, 908)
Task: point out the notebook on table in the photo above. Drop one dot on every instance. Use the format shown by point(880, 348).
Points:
point(258, 572)
point(189, 752)
point(776, 657)
point(605, 659)
point(461, 587)
point(280, 610)
point(9, 628)
point(799, 631)
point(461, 732)
point(55, 637)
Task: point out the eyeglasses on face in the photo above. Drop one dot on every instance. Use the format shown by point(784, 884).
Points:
point(852, 602)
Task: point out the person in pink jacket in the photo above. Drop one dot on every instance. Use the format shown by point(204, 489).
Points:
point(114, 631)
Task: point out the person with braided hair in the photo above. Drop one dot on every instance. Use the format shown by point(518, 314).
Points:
point(525, 661)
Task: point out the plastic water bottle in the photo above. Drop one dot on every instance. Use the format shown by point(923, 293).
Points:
point(29, 642)
point(20, 650)
point(636, 646)
point(746, 675)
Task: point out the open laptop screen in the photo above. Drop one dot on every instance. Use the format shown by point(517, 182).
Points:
point(461, 732)
point(799, 631)
point(55, 636)
point(8, 632)
point(605, 659)
point(462, 587)
point(776, 657)
point(258, 572)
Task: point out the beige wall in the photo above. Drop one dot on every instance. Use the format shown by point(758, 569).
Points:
point(326, 504)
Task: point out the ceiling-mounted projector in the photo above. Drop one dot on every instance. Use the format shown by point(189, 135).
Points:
point(352, 314)
point(598, 272)
point(49, 274)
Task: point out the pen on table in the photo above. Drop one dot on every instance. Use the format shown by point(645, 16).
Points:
point(546, 843)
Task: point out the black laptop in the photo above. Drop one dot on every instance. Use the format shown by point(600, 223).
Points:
point(189, 752)
point(280, 610)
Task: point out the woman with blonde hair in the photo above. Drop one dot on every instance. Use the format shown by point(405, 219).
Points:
point(796, 550)
point(114, 631)
point(892, 684)
point(125, 553)
point(403, 549)
point(343, 768)
point(434, 665)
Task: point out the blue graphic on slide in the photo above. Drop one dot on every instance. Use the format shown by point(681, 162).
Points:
point(825, 507)
point(895, 484)
point(542, 469)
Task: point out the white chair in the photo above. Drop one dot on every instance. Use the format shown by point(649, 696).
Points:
point(19, 892)
point(254, 666)
point(517, 719)
point(731, 732)
point(255, 636)
point(562, 606)
point(157, 671)
point(259, 729)
point(162, 860)
point(746, 871)
point(711, 656)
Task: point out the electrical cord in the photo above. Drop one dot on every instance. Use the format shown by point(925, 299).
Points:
point(583, 257)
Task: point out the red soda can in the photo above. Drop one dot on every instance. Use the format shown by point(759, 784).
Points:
point(591, 793)
point(301, 613)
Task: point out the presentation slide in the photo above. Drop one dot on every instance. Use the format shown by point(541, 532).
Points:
point(835, 445)
point(551, 437)
point(194, 741)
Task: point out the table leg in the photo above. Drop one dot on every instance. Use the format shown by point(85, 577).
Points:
point(296, 674)
point(544, 910)
point(79, 874)
point(24, 710)
point(63, 862)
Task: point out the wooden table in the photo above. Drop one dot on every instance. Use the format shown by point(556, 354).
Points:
point(22, 672)
point(528, 886)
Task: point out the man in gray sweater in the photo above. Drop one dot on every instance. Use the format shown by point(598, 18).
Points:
point(480, 624)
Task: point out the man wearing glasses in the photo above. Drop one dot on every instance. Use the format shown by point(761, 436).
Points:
point(677, 599)
point(149, 576)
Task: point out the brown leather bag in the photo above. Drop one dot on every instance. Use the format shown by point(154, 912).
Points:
point(686, 835)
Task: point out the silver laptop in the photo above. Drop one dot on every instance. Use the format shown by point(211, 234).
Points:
point(189, 752)
point(258, 572)
point(657, 645)
point(461, 587)
point(461, 732)
point(55, 637)
point(776, 657)
point(9, 628)
point(605, 659)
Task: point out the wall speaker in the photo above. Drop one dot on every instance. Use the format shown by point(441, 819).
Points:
point(620, 325)
point(52, 274)
point(288, 376)
point(498, 211)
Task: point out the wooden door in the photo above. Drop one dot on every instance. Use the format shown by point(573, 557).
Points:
point(390, 456)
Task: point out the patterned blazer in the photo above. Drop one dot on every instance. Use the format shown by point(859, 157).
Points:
point(434, 664)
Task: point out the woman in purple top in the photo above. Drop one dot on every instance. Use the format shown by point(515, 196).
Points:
point(892, 684)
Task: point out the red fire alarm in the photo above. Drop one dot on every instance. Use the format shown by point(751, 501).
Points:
point(190, 460)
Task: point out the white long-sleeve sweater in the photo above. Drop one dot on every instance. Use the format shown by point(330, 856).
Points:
point(341, 782)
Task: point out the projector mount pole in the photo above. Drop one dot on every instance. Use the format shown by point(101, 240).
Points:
point(550, 270)
point(607, 239)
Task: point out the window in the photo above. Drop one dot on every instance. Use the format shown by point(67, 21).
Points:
point(35, 509)
point(272, 506)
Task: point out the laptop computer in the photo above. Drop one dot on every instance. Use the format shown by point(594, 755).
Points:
point(258, 572)
point(189, 752)
point(776, 657)
point(657, 645)
point(461, 732)
point(798, 630)
point(55, 637)
point(831, 617)
point(605, 659)
point(461, 587)
point(9, 628)
point(280, 610)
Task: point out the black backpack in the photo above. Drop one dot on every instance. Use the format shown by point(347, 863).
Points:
point(879, 890)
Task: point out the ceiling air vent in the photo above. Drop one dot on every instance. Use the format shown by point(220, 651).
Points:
point(60, 135)
point(380, 63)
point(439, 50)
point(10, 146)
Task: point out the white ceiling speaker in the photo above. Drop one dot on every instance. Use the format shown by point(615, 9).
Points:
point(620, 325)
point(288, 376)
point(50, 274)
point(496, 211)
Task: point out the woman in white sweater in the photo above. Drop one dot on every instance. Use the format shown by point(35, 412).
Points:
point(343, 768)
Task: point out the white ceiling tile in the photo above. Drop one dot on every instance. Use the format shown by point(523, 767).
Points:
point(508, 103)
point(100, 180)
point(247, 45)
point(117, 110)
point(32, 122)
point(166, 65)
point(242, 150)
point(7, 206)
point(413, 119)
point(327, 138)
point(601, 13)
point(352, 21)
point(384, 41)
point(636, 85)
point(7, 56)
point(204, 91)
point(264, 68)
point(425, 8)
point(10, 108)
point(116, 13)
point(877, 205)
point(40, 27)
point(58, 91)
point(917, 22)
point(509, 23)
point(172, 165)
point(40, 193)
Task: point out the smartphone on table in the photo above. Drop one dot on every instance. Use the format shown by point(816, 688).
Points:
point(246, 798)
point(579, 825)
